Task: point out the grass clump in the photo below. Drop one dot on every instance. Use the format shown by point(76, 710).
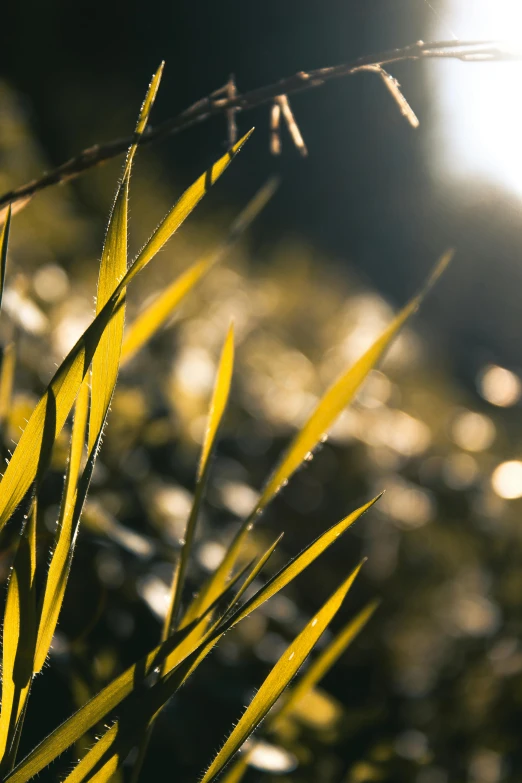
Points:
point(85, 381)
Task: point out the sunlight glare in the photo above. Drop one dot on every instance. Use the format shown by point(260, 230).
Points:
point(480, 112)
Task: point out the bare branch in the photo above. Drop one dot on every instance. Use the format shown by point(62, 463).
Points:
point(227, 101)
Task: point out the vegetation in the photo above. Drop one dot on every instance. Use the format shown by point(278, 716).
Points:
point(119, 699)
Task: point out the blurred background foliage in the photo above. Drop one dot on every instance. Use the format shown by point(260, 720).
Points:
point(432, 690)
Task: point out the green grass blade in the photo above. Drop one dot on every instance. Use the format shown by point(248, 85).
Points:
point(18, 638)
point(278, 679)
point(293, 568)
point(32, 453)
point(333, 402)
point(4, 241)
point(60, 564)
point(82, 770)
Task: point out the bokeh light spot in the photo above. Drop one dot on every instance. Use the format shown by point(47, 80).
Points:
point(499, 386)
point(507, 480)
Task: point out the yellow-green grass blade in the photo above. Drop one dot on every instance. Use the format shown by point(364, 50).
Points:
point(106, 360)
point(18, 638)
point(82, 770)
point(179, 213)
point(32, 453)
point(4, 241)
point(123, 734)
point(278, 679)
point(325, 660)
point(113, 265)
point(297, 565)
point(217, 408)
point(283, 577)
point(315, 672)
point(143, 118)
point(341, 394)
point(190, 643)
point(7, 372)
point(104, 702)
point(182, 667)
point(155, 315)
point(247, 215)
point(104, 758)
point(333, 402)
point(236, 771)
point(219, 401)
point(60, 564)
point(96, 709)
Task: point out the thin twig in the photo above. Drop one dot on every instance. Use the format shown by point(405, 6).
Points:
point(394, 88)
point(220, 102)
point(275, 121)
point(231, 113)
point(291, 124)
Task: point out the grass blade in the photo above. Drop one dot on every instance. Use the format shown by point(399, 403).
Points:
point(61, 559)
point(315, 672)
point(190, 643)
point(333, 402)
point(32, 453)
point(339, 395)
point(113, 266)
point(217, 408)
point(4, 241)
point(104, 758)
point(104, 374)
point(325, 660)
point(278, 679)
point(18, 639)
point(168, 685)
point(71, 730)
point(155, 315)
point(6, 386)
point(95, 710)
point(179, 212)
